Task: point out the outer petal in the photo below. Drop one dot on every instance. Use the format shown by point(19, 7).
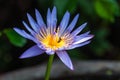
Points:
point(48, 18)
point(65, 58)
point(73, 23)
point(24, 34)
point(78, 45)
point(31, 52)
point(39, 18)
point(79, 29)
point(81, 39)
point(84, 34)
point(64, 23)
point(40, 22)
point(33, 23)
point(28, 28)
point(53, 18)
point(21, 32)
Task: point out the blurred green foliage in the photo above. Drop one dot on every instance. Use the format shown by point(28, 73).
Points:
point(15, 38)
point(107, 9)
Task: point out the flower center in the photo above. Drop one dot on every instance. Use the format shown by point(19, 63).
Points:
point(53, 41)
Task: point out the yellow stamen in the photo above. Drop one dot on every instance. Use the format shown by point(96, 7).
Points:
point(53, 42)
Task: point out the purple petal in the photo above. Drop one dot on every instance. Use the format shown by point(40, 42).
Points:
point(73, 23)
point(39, 18)
point(31, 52)
point(48, 18)
point(78, 45)
point(79, 29)
point(84, 34)
point(51, 19)
point(24, 34)
point(40, 22)
point(64, 57)
point(81, 36)
point(64, 22)
point(54, 18)
point(81, 39)
point(28, 28)
point(33, 23)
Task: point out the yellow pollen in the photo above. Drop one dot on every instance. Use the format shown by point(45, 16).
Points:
point(53, 41)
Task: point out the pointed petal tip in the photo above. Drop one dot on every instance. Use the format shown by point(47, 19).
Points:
point(22, 57)
point(48, 9)
point(91, 36)
point(36, 10)
point(82, 40)
point(67, 12)
point(14, 28)
point(72, 68)
point(31, 52)
point(78, 15)
point(23, 22)
point(64, 57)
point(54, 11)
point(17, 29)
point(54, 8)
point(85, 23)
point(28, 14)
point(88, 32)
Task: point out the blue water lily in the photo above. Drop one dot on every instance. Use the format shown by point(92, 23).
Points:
point(51, 38)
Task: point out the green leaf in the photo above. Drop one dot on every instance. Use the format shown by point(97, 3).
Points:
point(106, 9)
point(15, 38)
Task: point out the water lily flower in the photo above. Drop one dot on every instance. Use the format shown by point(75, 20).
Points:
point(51, 38)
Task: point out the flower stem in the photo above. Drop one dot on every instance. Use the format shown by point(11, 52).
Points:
point(49, 65)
